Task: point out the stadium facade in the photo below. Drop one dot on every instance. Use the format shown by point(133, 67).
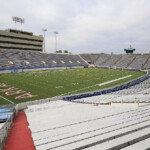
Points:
point(20, 40)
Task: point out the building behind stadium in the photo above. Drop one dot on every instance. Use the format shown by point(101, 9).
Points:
point(12, 39)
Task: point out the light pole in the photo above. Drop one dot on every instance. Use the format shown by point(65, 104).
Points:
point(44, 30)
point(56, 40)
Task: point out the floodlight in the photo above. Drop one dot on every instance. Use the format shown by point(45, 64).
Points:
point(17, 19)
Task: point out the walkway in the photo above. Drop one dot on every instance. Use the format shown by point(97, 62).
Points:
point(19, 137)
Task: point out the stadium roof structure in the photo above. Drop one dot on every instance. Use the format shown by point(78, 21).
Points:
point(19, 31)
point(129, 50)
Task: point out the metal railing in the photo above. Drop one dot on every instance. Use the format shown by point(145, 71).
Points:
point(4, 131)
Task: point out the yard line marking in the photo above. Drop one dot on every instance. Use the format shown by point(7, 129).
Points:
point(7, 99)
point(114, 80)
point(98, 84)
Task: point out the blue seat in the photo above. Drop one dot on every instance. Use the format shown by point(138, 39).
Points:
point(4, 110)
point(5, 116)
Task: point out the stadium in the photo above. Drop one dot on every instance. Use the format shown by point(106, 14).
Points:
point(71, 101)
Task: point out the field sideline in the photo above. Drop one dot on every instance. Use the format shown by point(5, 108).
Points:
point(28, 86)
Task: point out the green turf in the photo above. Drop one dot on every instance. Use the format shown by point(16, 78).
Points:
point(3, 101)
point(60, 82)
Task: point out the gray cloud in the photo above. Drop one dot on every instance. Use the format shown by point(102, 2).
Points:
point(84, 25)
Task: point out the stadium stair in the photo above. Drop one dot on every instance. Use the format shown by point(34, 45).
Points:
point(97, 58)
point(7, 57)
point(106, 60)
point(19, 137)
point(117, 60)
point(146, 61)
point(24, 59)
point(131, 62)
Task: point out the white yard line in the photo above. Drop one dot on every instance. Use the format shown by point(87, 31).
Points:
point(7, 99)
point(99, 84)
point(114, 80)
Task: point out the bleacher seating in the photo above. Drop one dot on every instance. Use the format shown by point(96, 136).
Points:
point(4, 61)
point(86, 57)
point(65, 125)
point(144, 144)
point(139, 93)
point(139, 61)
point(102, 59)
point(125, 60)
point(112, 60)
point(147, 64)
point(22, 59)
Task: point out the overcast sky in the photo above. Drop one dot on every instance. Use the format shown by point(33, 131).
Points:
point(84, 26)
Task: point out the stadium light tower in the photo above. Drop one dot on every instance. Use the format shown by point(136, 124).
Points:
point(55, 40)
point(44, 30)
point(17, 19)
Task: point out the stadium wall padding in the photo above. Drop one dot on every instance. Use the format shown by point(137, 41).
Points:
point(114, 67)
point(45, 67)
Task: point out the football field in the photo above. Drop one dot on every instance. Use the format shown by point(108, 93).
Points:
point(29, 86)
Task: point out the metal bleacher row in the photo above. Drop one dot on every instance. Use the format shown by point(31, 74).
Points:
point(88, 126)
point(29, 59)
point(23, 59)
point(139, 61)
point(139, 93)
